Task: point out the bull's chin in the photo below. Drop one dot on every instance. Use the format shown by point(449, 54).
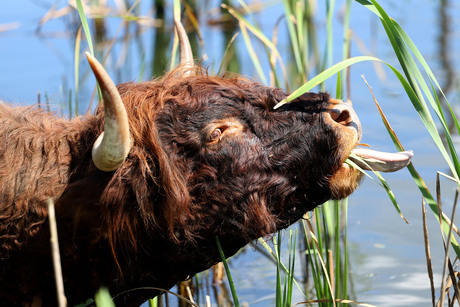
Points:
point(344, 181)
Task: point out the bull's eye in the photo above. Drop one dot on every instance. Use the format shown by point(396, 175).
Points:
point(215, 135)
point(221, 131)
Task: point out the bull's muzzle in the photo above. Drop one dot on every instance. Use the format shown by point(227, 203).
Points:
point(343, 116)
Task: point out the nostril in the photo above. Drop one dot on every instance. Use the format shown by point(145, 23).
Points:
point(344, 118)
point(335, 113)
point(343, 114)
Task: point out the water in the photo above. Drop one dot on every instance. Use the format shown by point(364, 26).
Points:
point(387, 256)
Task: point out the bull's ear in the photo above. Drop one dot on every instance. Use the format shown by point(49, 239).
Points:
point(113, 145)
point(186, 55)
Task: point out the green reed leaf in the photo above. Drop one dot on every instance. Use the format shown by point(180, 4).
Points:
point(103, 298)
point(229, 275)
point(291, 22)
point(252, 53)
point(323, 76)
point(84, 23)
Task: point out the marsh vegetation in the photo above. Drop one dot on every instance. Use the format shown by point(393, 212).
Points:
point(342, 252)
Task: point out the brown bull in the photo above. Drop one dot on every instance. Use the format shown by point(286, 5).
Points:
point(182, 159)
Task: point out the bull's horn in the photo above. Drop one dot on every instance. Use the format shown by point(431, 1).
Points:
point(113, 145)
point(186, 55)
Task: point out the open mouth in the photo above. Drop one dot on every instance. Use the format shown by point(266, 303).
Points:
point(373, 160)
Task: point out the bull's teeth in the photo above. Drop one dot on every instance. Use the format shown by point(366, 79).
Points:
point(381, 161)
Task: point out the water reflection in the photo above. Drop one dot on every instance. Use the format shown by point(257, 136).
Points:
point(448, 76)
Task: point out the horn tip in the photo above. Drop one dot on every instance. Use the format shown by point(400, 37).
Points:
point(89, 56)
point(91, 60)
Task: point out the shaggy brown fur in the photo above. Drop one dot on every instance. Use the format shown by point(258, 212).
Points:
point(210, 158)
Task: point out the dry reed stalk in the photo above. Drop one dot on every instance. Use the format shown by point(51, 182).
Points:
point(331, 269)
point(446, 248)
point(428, 254)
point(452, 273)
point(189, 293)
point(62, 301)
point(444, 216)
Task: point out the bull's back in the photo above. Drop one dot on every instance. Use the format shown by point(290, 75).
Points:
point(33, 168)
point(34, 163)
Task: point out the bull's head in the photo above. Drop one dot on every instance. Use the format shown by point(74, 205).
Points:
point(242, 163)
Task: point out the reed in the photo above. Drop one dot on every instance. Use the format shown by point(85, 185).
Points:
point(305, 67)
point(422, 89)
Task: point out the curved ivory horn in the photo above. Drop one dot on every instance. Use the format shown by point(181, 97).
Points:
point(186, 55)
point(113, 145)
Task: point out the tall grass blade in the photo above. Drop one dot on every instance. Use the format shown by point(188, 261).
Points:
point(399, 39)
point(346, 48)
point(337, 262)
point(391, 195)
point(316, 242)
point(302, 36)
point(286, 269)
point(433, 132)
point(278, 297)
point(345, 249)
point(103, 298)
point(321, 248)
point(354, 165)
point(140, 75)
point(77, 66)
point(252, 53)
point(338, 90)
point(226, 55)
point(177, 16)
point(229, 275)
point(414, 79)
point(428, 254)
point(446, 258)
point(284, 291)
point(312, 254)
point(273, 51)
point(291, 22)
point(395, 139)
point(292, 249)
point(257, 32)
point(323, 76)
point(84, 23)
point(330, 5)
point(153, 302)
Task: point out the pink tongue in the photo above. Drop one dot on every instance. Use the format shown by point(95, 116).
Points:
point(381, 161)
